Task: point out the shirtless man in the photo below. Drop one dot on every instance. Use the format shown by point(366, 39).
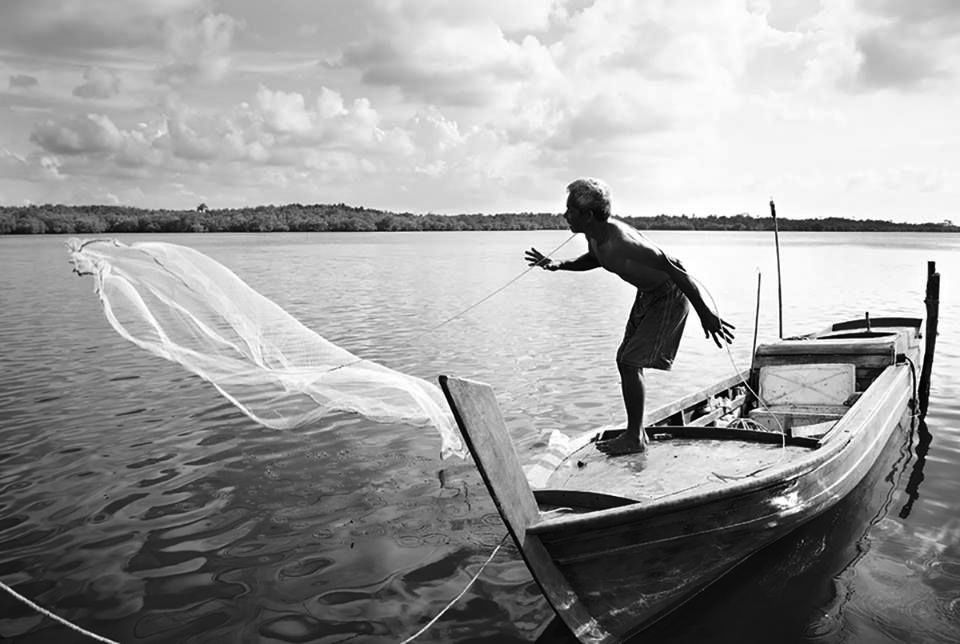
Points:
point(659, 311)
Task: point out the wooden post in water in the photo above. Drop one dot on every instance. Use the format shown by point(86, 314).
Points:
point(932, 300)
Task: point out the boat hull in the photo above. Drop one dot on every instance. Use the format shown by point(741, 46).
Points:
point(619, 558)
point(629, 567)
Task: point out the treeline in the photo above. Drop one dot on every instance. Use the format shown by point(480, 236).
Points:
point(94, 220)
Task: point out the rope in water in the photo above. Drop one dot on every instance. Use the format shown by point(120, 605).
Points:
point(98, 638)
point(496, 550)
point(461, 594)
point(56, 618)
point(493, 554)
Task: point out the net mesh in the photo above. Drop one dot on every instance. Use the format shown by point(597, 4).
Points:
point(181, 305)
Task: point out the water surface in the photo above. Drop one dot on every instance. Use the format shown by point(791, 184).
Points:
point(139, 504)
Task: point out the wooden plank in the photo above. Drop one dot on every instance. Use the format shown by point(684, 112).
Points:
point(876, 396)
point(662, 413)
point(725, 433)
point(481, 423)
point(877, 322)
point(676, 461)
point(807, 384)
point(860, 361)
point(827, 346)
point(707, 418)
point(477, 414)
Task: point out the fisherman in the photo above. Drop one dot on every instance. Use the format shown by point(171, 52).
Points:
point(659, 312)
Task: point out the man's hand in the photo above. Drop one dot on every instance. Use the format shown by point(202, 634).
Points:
point(536, 258)
point(717, 328)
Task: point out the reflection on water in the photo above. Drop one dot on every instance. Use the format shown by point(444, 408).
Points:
point(924, 438)
point(137, 503)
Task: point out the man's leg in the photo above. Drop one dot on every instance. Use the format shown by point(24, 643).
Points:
point(634, 439)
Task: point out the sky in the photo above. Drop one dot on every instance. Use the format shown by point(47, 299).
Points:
point(836, 108)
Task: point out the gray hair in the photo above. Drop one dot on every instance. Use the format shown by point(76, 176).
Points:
point(591, 195)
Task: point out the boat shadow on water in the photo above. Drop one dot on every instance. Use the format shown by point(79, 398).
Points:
point(796, 589)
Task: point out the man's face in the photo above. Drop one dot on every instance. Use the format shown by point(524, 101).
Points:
point(576, 218)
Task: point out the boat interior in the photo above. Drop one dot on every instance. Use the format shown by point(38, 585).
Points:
point(799, 390)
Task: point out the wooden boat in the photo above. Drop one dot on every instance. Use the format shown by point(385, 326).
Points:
point(615, 543)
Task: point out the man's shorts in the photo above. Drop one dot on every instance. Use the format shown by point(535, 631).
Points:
point(654, 328)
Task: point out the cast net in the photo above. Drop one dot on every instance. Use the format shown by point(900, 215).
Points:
point(181, 305)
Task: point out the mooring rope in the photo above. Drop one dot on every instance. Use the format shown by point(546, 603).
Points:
point(56, 618)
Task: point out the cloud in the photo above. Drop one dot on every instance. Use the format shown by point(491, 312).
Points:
point(93, 139)
point(32, 167)
point(608, 116)
point(98, 83)
point(22, 81)
point(326, 121)
point(908, 43)
point(447, 64)
point(87, 134)
point(891, 62)
point(463, 105)
point(46, 26)
point(198, 49)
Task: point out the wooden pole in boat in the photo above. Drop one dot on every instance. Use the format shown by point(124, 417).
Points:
point(932, 300)
point(756, 326)
point(776, 239)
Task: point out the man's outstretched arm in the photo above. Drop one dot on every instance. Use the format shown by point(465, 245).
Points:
point(585, 262)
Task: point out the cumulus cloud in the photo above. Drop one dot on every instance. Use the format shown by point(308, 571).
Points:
point(326, 121)
point(96, 137)
point(86, 134)
point(891, 62)
point(22, 81)
point(199, 50)
point(449, 103)
point(33, 167)
point(908, 43)
point(98, 83)
point(449, 64)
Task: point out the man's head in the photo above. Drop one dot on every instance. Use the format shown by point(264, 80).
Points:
point(587, 198)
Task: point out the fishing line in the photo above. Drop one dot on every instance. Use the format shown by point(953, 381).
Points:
point(54, 617)
point(469, 308)
point(481, 301)
point(739, 372)
point(503, 540)
point(462, 593)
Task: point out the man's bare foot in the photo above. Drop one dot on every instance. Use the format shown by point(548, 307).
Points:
point(622, 444)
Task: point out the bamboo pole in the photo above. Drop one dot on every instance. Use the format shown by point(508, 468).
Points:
point(932, 300)
point(756, 327)
point(776, 239)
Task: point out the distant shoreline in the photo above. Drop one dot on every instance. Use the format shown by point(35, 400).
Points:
point(84, 220)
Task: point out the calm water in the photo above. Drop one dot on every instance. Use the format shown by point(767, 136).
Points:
point(137, 503)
